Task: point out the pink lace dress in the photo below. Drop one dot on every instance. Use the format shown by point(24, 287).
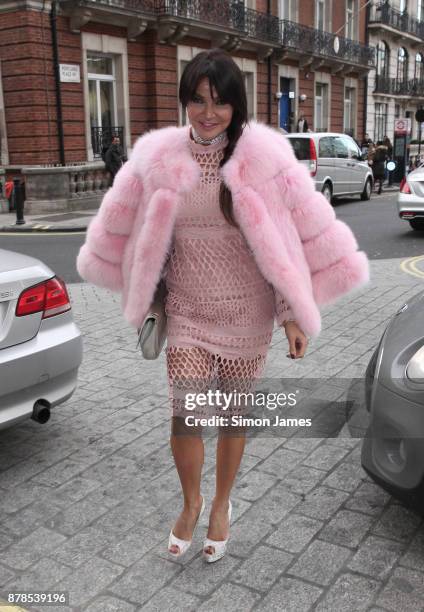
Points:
point(220, 308)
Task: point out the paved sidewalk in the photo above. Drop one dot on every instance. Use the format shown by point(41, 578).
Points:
point(74, 221)
point(87, 500)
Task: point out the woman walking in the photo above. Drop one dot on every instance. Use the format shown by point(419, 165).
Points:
point(226, 215)
point(379, 164)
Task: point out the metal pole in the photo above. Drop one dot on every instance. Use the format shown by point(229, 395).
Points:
point(19, 195)
point(53, 19)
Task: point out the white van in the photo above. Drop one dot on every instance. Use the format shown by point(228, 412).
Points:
point(335, 162)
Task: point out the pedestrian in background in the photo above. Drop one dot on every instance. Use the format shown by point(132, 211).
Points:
point(114, 157)
point(223, 212)
point(388, 173)
point(379, 164)
point(302, 124)
point(365, 144)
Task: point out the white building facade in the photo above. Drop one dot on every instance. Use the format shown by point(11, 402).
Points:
point(396, 86)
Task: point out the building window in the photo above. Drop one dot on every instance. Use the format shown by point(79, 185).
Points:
point(321, 107)
point(397, 111)
point(419, 67)
point(380, 121)
point(403, 5)
point(420, 13)
point(184, 117)
point(320, 14)
point(351, 19)
point(402, 65)
point(102, 101)
point(249, 85)
point(288, 9)
point(382, 67)
point(349, 118)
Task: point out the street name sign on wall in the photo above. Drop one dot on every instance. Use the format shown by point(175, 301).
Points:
point(403, 126)
point(69, 73)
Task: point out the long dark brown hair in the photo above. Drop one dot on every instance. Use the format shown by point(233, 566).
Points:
point(223, 74)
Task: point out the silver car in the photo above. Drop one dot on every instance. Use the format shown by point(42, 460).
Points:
point(411, 199)
point(335, 162)
point(393, 446)
point(40, 345)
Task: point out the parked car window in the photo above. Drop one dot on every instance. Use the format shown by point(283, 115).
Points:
point(326, 147)
point(300, 147)
point(340, 147)
point(354, 152)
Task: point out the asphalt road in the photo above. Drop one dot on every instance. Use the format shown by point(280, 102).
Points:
point(376, 225)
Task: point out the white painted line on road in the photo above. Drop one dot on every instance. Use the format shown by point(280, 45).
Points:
point(409, 266)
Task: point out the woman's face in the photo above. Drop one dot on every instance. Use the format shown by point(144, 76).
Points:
point(208, 115)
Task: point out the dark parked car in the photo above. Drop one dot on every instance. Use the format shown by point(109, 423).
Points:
point(393, 447)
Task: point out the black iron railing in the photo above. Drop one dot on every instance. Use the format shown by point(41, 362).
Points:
point(101, 138)
point(386, 14)
point(397, 87)
point(233, 15)
point(325, 44)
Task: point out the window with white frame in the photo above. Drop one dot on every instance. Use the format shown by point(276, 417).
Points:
point(320, 14)
point(184, 118)
point(402, 65)
point(321, 107)
point(382, 67)
point(351, 18)
point(349, 117)
point(102, 100)
point(419, 67)
point(287, 9)
point(380, 121)
point(249, 85)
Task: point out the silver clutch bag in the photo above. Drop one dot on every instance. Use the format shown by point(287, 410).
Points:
point(152, 334)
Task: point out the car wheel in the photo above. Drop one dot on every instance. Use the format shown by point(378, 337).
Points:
point(417, 224)
point(327, 192)
point(366, 194)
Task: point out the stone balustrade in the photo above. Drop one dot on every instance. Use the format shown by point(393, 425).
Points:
point(51, 189)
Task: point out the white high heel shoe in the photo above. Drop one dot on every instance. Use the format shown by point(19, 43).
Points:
point(183, 545)
point(219, 545)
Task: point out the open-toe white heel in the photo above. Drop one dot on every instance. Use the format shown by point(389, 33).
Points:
point(183, 545)
point(219, 546)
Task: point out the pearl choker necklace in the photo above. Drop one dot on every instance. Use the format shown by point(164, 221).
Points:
point(208, 141)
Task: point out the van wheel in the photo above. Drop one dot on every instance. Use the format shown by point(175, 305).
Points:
point(417, 224)
point(327, 192)
point(366, 194)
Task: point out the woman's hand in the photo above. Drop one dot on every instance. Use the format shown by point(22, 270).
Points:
point(297, 339)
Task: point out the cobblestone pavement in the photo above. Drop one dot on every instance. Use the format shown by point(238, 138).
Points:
point(87, 500)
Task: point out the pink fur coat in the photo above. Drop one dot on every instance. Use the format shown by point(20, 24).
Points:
point(310, 257)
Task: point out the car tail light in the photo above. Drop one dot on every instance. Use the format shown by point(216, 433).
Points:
point(404, 186)
point(312, 158)
point(49, 297)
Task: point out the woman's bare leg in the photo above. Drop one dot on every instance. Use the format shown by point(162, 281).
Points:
point(231, 444)
point(188, 367)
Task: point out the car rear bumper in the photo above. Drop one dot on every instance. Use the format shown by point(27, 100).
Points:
point(409, 202)
point(45, 367)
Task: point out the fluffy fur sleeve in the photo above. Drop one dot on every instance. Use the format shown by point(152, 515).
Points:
point(99, 259)
point(337, 266)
